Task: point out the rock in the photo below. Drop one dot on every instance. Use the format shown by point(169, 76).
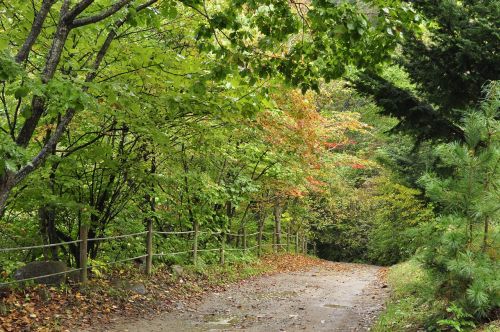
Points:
point(138, 288)
point(39, 269)
point(177, 270)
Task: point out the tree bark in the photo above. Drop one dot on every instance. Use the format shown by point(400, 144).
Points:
point(6, 185)
point(47, 213)
point(47, 216)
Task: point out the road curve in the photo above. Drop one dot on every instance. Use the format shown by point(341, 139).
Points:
point(332, 297)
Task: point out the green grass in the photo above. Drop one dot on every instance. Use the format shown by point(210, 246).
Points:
point(412, 303)
point(232, 271)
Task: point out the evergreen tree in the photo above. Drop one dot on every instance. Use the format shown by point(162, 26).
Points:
point(449, 63)
point(464, 246)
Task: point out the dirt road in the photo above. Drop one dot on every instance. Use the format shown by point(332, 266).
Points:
point(333, 297)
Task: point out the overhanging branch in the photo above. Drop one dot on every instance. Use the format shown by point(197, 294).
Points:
point(102, 15)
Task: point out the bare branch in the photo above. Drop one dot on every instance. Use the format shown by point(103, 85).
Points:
point(145, 5)
point(102, 15)
point(75, 11)
point(5, 108)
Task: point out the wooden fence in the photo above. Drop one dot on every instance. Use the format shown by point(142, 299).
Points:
point(297, 241)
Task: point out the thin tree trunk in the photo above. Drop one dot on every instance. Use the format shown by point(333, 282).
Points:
point(260, 221)
point(150, 200)
point(277, 211)
point(47, 228)
point(47, 213)
point(6, 184)
point(36, 28)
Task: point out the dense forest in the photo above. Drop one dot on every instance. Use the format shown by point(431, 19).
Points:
point(360, 131)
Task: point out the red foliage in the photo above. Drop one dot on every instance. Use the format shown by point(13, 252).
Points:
point(358, 166)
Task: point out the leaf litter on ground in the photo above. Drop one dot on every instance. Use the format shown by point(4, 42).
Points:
point(44, 308)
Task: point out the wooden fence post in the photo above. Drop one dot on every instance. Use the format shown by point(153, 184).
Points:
point(288, 239)
point(274, 242)
point(195, 242)
point(149, 247)
point(222, 248)
point(259, 242)
point(245, 239)
point(84, 235)
point(297, 243)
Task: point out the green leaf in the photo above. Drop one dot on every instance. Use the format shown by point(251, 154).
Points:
point(21, 92)
point(199, 88)
point(169, 10)
point(10, 165)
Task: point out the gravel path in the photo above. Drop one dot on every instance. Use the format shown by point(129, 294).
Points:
point(333, 297)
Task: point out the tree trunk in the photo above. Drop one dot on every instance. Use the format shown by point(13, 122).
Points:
point(229, 214)
point(277, 211)
point(6, 185)
point(151, 205)
point(47, 217)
